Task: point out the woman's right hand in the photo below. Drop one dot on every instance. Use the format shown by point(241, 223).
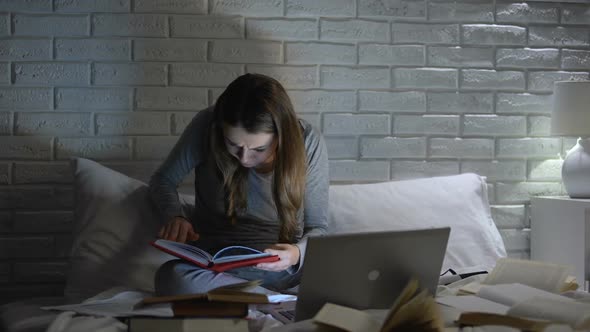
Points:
point(178, 229)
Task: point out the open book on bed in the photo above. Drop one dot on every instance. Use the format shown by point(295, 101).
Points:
point(525, 306)
point(227, 258)
point(523, 294)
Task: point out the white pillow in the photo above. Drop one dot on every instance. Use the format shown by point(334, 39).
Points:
point(114, 223)
point(458, 201)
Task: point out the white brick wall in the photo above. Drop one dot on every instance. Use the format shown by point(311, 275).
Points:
point(205, 27)
point(400, 88)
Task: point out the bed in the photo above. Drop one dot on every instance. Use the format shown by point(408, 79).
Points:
point(114, 221)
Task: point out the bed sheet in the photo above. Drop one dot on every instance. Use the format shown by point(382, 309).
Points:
point(27, 316)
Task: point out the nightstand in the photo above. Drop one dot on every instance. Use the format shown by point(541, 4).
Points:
point(560, 233)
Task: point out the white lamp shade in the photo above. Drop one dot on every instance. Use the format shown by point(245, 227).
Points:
point(571, 109)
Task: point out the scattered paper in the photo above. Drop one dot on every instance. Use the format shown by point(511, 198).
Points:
point(120, 305)
point(123, 304)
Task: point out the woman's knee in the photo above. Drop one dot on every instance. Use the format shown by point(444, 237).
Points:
point(169, 277)
point(179, 277)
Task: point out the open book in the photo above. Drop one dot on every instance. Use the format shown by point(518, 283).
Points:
point(225, 259)
point(522, 294)
point(413, 310)
point(535, 308)
point(550, 277)
point(546, 276)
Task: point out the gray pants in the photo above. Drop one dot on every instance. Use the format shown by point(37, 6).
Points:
point(177, 277)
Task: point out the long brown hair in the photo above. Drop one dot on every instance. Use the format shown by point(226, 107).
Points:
point(259, 104)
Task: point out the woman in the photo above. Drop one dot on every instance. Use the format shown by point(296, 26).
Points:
point(261, 180)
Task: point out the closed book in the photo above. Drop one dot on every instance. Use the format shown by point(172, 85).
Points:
point(149, 324)
point(225, 301)
point(198, 308)
point(486, 318)
point(218, 294)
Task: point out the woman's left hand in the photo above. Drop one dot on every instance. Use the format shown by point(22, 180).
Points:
point(288, 254)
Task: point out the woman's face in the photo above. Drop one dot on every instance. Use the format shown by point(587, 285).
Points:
point(252, 150)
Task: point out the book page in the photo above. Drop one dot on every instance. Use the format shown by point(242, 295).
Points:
point(346, 319)
point(468, 303)
point(470, 289)
point(236, 253)
point(510, 294)
point(122, 304)
point(545, 276)
point(183, 249)
point(573, 313)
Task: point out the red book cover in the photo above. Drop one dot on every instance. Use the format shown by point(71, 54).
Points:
point(228, 258)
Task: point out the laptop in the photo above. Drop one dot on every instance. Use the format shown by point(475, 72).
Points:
point(366, 270)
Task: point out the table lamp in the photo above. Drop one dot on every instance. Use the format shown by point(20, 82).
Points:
point(571, 117)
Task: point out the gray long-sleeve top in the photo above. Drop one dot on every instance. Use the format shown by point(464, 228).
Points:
point(258, 227)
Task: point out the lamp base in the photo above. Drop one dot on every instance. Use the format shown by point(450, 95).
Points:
point(575, 171)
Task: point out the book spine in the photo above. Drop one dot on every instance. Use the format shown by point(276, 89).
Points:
point(187, 258)
point(209, 309)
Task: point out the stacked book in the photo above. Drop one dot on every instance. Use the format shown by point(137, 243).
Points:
point(221, 309)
